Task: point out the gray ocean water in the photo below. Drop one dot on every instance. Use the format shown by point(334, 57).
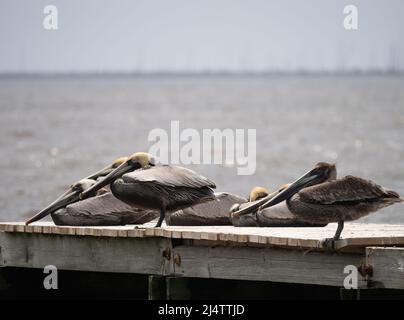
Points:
point(56, 130)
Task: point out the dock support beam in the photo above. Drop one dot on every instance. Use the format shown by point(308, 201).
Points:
point(157, 288)
point(349, 294)
point(178, 288)
point(168, 288)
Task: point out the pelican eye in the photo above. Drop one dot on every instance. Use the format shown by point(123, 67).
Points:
point(152, 161)
point(77, 187)
point(134, 161)
point(318, 170)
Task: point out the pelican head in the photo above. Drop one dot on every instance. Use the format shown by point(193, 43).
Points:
point(70, 196)
point(118, 162)
point(325, 171)
point(108, 169)
point(138, 160)
point(141, 160)
point(257, 193)
point(321, 172)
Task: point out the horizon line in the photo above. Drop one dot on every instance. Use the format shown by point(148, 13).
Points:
point(201, 73)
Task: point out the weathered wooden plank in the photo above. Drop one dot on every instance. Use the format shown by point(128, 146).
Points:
point(242, 238)
point(222, 237)
point(176, 234)
point(191, 235)
point(104, 254)
point(208, 236)
point(159, 232)
point(110, 232)
point(80, 231)
point(387, 266)
point(149, 232)
point(59, 230)
point(9, 228)
point(231, 237)
point(167, 233)
point(45, 229)
point(137, 233)
point(253, 238)
point(96, 232)
point(29, 229)
point(264, 264)
point(122, 233)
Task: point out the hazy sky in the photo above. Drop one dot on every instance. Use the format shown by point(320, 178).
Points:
point(200, 35)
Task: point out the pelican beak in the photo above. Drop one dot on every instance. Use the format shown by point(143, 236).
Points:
point(67, 198)
point(103, 172)
point(252, 207)
point(125, 167)
point(314, 176)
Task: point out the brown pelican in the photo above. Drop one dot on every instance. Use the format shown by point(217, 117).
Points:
point(73, 193)
point(275, 216)
point(102, 210)
point(318, 197)
point(165, 188)
point(212, 213)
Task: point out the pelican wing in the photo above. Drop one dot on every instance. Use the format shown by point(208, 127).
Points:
point(208, 213)
point(103, 210)
point(347, 189)
point(168, 175)
point(220, 207)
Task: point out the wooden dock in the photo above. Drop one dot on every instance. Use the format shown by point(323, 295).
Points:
point(282, 255)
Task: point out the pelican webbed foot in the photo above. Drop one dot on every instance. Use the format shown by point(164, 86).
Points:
point(328, 244)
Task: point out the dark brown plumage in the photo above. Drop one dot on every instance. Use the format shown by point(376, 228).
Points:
point(212, 213)
point(346, 199)
point(102, 210)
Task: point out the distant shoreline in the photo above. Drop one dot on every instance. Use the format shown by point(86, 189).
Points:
point(202, 74)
